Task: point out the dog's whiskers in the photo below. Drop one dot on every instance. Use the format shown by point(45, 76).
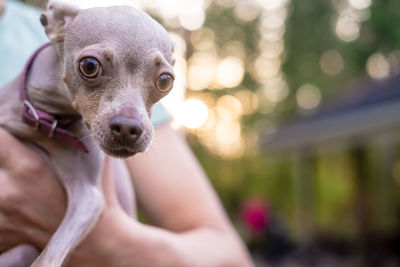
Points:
point(84, 137)
point(98, 154)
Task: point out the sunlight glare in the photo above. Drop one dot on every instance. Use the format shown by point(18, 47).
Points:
point(193, 113)
point(230, 72)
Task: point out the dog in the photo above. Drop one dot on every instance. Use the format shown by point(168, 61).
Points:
point(91, 89)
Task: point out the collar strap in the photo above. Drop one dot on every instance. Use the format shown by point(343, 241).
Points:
point(49, 124)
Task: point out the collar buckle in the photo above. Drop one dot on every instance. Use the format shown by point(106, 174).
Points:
point(53, 128)
point(34, 113)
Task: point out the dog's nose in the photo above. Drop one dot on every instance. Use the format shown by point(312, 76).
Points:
point(128, 128)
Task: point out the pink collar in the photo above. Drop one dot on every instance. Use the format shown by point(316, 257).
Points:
point(52, 125)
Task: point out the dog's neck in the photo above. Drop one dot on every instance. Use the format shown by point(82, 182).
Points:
point(46, 89)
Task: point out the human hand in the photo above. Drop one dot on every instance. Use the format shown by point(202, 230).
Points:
point(33, 203)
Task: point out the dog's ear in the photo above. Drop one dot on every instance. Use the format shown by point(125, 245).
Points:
point(57, 18)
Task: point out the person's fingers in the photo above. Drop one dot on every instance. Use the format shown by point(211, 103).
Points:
point(21, 161)
point(14, 153)
point(9, 240)
point(6, 143)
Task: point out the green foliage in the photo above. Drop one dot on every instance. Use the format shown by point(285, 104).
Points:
point(309, 33)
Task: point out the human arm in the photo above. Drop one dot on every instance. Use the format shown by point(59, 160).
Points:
point(190, 225)
point(175, 194)
point(168, 192)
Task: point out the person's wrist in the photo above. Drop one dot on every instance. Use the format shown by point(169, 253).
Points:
point(106, 240)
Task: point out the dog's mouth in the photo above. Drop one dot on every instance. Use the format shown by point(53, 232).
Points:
point(121, 152)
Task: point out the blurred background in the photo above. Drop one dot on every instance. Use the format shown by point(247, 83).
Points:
point(293, 109)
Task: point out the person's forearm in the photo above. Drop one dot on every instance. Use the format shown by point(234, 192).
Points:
point(143, 245)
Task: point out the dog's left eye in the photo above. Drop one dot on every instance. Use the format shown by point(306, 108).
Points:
point(89, 67)
point(165, 82)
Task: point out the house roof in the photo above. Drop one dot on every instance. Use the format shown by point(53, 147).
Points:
point(362, 111)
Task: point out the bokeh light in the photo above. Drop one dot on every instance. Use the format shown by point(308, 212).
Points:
point(351, 14)
point(266, 67)
point(201, 70)
point(246, 10)
point(275, 89)
point(230, 72)
point(192, 113)
point(271, 49)
point(360, 4)
point(179, 44)
point(378, 66)
point(234, 48)
point(272, 5)
point(347, 29)
point(192, 15)
point(248, 100)
point(202, 36)
point(331, 62)
point(308, 96)
point(232, 104)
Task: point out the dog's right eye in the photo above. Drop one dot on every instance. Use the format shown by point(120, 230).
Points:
point(89, 67)
point(165, 82)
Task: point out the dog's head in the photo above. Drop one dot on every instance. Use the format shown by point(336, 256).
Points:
point(117, 62)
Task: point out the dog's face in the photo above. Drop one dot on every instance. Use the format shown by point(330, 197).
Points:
point(117, 64)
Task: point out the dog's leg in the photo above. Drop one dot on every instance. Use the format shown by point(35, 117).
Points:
point(84, 208)
point(80, 175)
point(19, 256)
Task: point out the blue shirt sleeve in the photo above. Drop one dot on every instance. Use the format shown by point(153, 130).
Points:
point(20, 34)
point(159, 115)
